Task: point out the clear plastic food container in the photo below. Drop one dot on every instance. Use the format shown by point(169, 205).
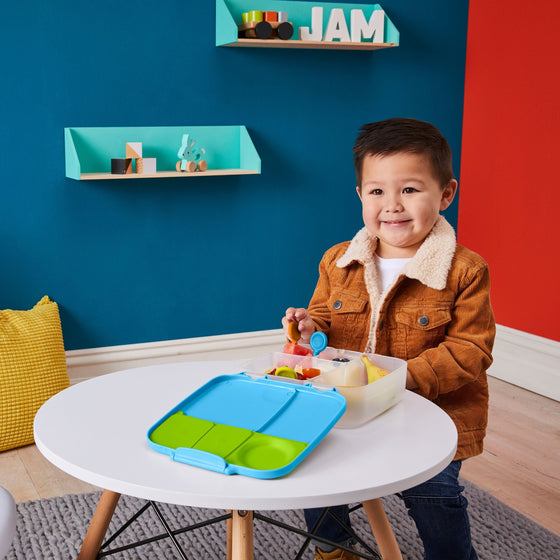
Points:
point(346, 371)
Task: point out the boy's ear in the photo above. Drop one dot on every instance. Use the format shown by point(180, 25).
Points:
point(448, 194)
point(359, 191)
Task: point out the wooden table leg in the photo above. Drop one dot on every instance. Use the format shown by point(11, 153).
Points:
point(241, 536)
point(382, 530)
point(229, 529)
point(98, 525)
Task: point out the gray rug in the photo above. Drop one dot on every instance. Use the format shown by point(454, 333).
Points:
point(54, 529)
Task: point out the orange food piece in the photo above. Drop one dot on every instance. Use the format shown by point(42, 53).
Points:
point(293, 332)
point(311, 372)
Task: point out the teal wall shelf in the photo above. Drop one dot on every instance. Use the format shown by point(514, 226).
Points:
point(88, 151)
point(228, 16)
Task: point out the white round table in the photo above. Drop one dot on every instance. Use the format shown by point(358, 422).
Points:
point(96, 431)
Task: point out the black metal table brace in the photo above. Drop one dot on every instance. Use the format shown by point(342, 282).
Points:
point(172, 534)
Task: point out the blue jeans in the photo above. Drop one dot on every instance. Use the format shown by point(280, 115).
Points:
point(437, 507)
point(329, 528)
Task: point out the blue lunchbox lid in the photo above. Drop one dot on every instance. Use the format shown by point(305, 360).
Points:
point(235, 424)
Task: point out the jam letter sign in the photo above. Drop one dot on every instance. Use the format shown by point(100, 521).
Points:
point(374, 29)
point(337, 29)
point(315, 33)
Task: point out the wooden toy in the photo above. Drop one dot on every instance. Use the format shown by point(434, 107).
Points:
point(255, 26)
point(121, 166)
point(191, 158)
point(133, 150)
point(284, 30)
point(148, 165)
point(145, 166)
point(266, 25)
point(253, 15)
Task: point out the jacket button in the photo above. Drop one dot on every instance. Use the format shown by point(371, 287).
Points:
point(424, 321)
point(337, 304)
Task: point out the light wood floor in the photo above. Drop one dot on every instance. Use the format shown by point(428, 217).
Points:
point(520, 465)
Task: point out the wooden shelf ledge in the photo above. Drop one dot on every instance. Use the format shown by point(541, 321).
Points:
point(296, 44)
point(229, 150)
point(166, 174)
point(229, 17)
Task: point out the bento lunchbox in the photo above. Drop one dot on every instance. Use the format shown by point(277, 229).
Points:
point(235, 424)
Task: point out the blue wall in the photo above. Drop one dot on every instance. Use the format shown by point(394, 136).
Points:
point(159, 259)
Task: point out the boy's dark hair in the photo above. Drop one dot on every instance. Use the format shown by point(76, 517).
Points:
point(400, 135)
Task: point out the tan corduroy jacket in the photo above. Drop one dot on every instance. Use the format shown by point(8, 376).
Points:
point(437, 316)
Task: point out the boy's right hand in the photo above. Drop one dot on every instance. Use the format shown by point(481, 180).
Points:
point(305, 323)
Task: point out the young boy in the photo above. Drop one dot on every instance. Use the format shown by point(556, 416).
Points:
point(403, 287)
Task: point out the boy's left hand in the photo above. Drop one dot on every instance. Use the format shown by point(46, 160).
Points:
point(305, 323)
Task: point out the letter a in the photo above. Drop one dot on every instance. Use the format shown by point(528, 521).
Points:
point(375, 28)
point(316, 32)
point(337, 28)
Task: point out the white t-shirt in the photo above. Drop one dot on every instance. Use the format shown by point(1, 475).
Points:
point(389, 269)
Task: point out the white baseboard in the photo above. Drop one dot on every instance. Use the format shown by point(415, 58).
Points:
point(520, 358)
point(85, 364)
point(528, 361)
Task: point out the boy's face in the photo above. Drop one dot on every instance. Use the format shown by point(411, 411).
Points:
point(401, 201)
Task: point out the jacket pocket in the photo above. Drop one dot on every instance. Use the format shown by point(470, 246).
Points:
point(346, 302)
point(422, 328)
point(349, 318)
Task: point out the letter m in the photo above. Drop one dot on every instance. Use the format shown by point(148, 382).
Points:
point(374, 29)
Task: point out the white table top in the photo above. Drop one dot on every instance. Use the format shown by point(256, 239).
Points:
point(96, 431)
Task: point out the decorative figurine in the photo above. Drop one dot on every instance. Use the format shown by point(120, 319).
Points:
point(191, 158)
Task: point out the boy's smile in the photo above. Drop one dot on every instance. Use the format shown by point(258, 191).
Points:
point(401, 201)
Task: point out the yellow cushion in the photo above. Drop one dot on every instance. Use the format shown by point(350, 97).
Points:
point(32, 368)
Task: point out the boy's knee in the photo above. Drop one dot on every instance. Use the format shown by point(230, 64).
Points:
point(443, 489)
point(429, 503)
point(434, 491)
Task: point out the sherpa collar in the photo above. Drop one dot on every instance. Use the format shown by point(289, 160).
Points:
point(430, 265)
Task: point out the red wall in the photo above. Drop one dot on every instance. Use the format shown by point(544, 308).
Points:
point(509, 208)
